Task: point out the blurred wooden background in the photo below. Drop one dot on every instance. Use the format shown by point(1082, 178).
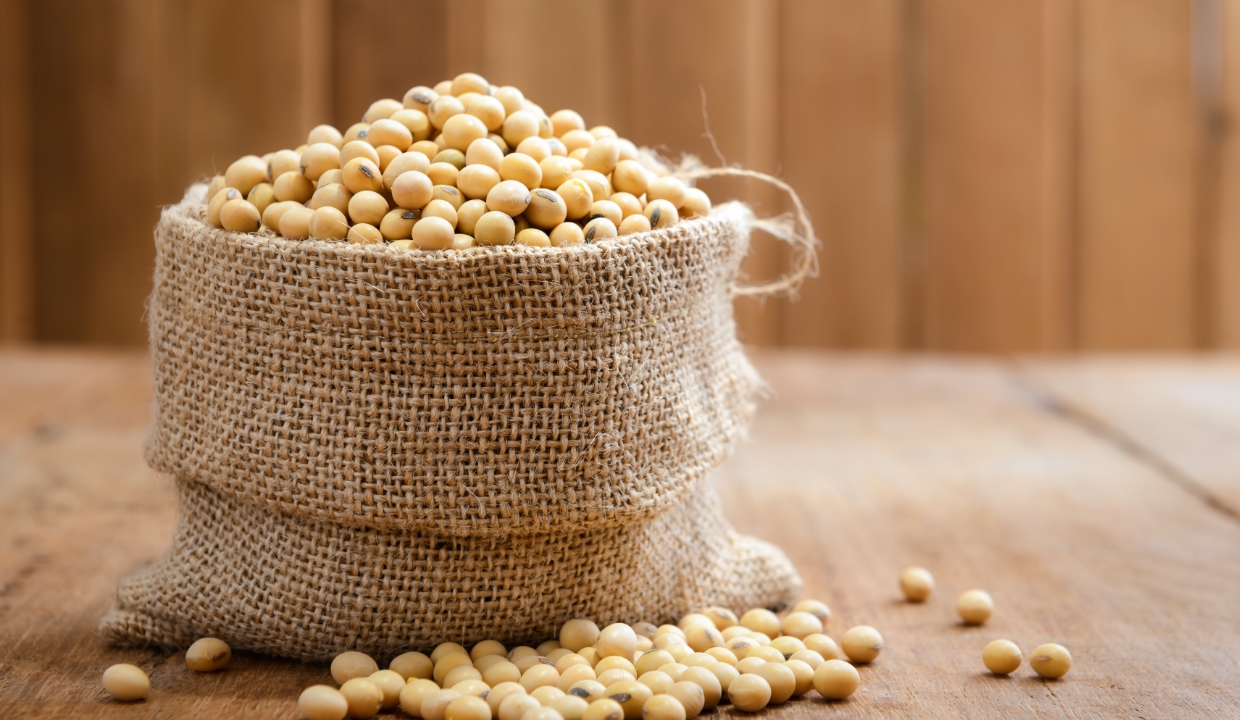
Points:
point(986, 176)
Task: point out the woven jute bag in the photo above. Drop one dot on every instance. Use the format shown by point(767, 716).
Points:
point(382, 450)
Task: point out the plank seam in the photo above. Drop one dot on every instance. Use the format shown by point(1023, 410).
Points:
point(1046, 399)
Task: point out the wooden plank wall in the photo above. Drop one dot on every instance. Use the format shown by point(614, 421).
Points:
point(987, 177)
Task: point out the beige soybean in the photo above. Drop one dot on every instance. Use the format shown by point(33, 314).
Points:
point(397, 225)
point(440, 209)
point(801, 624)
point(916, 583)
point(570, 676)
point(208, 655)
point(415, 693)
point(468, 707)
point(629, 176)
point(563, 121)
point(749, 665)
point(489, 110)
point(575, 140)
point(615, 675)
point(386, 153)
point(652, 660)
point(514, 707)
point(215, 186)
point(442, 108)
point(817, 608)
point(456, 658)
point(722, 655)
point(525, 662)
point(276, 210)
point(690, 696)
point(546, 210)
point(823, 645)
point(615, 662)
point(442, 173)
point(294, 224)
point(444, 649)
point(322, 702)
point(325, 134)
point(390, 132)
point(450, 156)
point(318, 159)
point(435, 706)
point(476, 181)
point(602, 156)
point(1050, 661)
point(426, 147)
point(1002, 657)
point(519, 126)
point(670, 189)
point(240, 216)
point(484, 152)
point(217, 203)
point(366, 234)
point(512, 98)
point(328, 223)
point(565, 658)
point(367, 207)
point(697, 204)
point(467, 216)
point(283, 162)
point(431, 239)
point(333, 195)
point(724, 673)
point(810, 657)
point(611, 211)
point(533, 237)
point(381, 109)
point(539, 675)
point(331, 176)
point(710, 684)
point(504, 671)
point(556, 171)
point(521, 168)
point(501, 692)
point(781, 678)
point(975, 606)
point(413, 190)
point(633, 224)
point(416, 122)
point(448, 194)
point(663, 707)
point(567, 233)
point(599, 186)
point(589, 690)
point(546, 693)
point(569, 707)
point(631, 695)
point(750, 693)
point(364, 697)
point(419, 98)
point(292, 186)
point(477, 688)
point(245, 173)
point(512, 198)
point(126, 682)
point(862, 643)
point(616, 640)
point(459, 131)
point(577, 198)
point(603, 131)
point(358, 149)
point(662, 214)
point(534, 147)
point(836, 679)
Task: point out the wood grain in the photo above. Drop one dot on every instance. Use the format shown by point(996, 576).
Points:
point(857, 466)
point(992, 268)
point(1225, 261)
point(1187, 422)
point(1139, 135)
point(16, 165)
point(841, 67)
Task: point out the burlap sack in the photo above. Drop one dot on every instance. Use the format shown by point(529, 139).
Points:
point(381, 450)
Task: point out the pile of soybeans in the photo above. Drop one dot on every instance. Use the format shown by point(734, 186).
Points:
point(462, 164)
point(620, 672)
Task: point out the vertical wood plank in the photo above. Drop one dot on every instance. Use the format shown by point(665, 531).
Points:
point(1138, 264)
point(729, 51)
point(16, 223)
point(368, 68)
point(1226, 265)
point(840, 120)
point(990, 263)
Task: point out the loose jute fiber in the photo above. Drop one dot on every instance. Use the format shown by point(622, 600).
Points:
point(380, 450)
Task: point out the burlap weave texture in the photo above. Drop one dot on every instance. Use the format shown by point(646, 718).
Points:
point(368, 440)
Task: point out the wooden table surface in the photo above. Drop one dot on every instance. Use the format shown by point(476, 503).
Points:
point(1097, 500)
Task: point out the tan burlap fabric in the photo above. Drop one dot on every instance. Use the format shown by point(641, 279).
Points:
point(381, 450)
